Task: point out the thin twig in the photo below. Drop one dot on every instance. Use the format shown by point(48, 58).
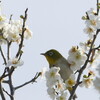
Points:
point(10, 82)
point(97, 48)
point(4, 73)
point(12, 90)
point(6, 92)
point(31, 81)
point(10, 18)
point(22, 35)
point(1, 93)
point(97, 7)
point(8, 49)
point(92, 55)
point(2, 54)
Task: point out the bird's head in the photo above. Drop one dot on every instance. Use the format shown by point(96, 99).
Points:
point(52, 56)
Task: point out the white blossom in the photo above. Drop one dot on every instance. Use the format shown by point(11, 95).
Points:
point(85, 45)
point(51, 92)
point(60, 86)
point(97, 54)
point(28, 33)
point(76, 54)
point(52, 76)
point(2, 20)
point(94, 62)
point(11, 32)
point(43, 72)
point(56, 86)
point(87, 82)
point(93, 21)
point(76, 58)
point(90, 31)
point(63, 96)
point(71, 81)
point(98, 69)
point(97, 84)
point(74, 65)
point(91, 12)
point(14, 62)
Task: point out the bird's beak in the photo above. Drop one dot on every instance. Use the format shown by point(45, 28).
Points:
point(42, 54)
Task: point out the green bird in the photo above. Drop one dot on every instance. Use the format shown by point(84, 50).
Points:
point(55, 59)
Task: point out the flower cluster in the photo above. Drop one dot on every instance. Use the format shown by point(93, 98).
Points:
point(76, 58)
point(55, 84)
point(92, 23)
point(87, 81)
point(11, 30)
point(57, 88)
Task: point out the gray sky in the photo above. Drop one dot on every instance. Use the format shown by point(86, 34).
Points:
point(55, 24)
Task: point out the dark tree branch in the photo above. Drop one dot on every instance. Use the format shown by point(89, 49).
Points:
point(31, 81)
point(4, 73)
point(7, 93)
point(97, 48)
point(10, 18)
point(10, 82)
point(2, 54)
point(97, 7)
point(22, 35)
point(1, 93)
point(8, 49)
point(92, 55)
point(83, 67)
point(5, 81)
point(12, 91)
point(88, 58)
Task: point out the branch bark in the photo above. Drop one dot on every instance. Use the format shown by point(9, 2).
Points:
point(1, 92)
point(83, 67)
point(22, 35)
point(10, 82)
point(31, 81)
point(2, 54)
point(87, 61)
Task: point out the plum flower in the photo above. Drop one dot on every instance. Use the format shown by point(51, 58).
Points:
point(76, 58)
point(52, 76)
point(97, 84)
point(14, 62)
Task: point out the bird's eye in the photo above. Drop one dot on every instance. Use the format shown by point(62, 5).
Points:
point(50, 53)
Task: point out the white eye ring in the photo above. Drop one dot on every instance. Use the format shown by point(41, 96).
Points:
point(50, 53)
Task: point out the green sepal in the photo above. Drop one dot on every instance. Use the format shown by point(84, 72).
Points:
point(85, 76)
point(21, 16)
point(21, 52)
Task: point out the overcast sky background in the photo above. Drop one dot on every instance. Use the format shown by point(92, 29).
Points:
point(55, 24)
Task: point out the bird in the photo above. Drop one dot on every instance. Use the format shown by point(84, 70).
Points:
point(55, 59)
